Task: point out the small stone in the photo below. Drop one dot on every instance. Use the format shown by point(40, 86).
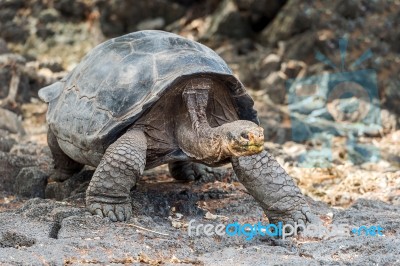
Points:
point(227, 21)
point(31, 183)
point(6, 143)
point(10, 166)
point(9, 121)
point(49, 15)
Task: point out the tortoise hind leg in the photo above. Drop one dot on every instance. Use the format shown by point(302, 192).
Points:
point(64, 166)
point(190, 171)
point(119, 169)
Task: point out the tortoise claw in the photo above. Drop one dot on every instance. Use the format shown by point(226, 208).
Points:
point(115, 212)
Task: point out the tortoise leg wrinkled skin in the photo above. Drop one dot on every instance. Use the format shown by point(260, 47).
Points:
point(273, 188)
point(188, 171)
point(121, 166)
point(64, 166)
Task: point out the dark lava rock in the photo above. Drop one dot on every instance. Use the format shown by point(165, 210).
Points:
point(44, 32)
point(54, 66)
point(240, 19)
point(13, 32)
point(118, 17)
point(295, 17)
point(12, 64)
point(259, 13)
point(7, 14)
point(10, 166)
point(30, 183)
point(10, 121)
point(49, 15)
point(12, 4)
point(70, 187)
point(392, 95)
point(349, 9)
point(6, 142)
point(301, 47)
point(11, 239)
point(3, 47)
point(29, 148)
point(28, 81)
point(227, 21)
point(76, 9)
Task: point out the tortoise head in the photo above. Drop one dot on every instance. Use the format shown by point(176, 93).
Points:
point(242, 138)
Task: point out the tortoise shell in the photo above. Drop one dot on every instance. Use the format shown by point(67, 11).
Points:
point(120, 79)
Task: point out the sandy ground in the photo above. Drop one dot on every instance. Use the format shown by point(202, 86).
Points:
point(48, 232)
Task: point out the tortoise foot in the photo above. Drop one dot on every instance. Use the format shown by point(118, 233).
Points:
point(302, 216)
point(116, 212)
point(190, 171)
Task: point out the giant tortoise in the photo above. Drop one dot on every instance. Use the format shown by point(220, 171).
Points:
point(150, 98)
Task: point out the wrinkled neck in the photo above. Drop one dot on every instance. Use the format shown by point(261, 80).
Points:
point(195, 136)
point(200, 141)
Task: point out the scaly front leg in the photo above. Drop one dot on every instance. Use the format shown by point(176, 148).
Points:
point(273, 188)
point(121, 166)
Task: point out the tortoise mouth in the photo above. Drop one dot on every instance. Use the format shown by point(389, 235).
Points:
point(242, 138)
point(248, 148)
point(255, 147)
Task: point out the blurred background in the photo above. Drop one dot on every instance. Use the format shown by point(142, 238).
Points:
point(267, 44)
